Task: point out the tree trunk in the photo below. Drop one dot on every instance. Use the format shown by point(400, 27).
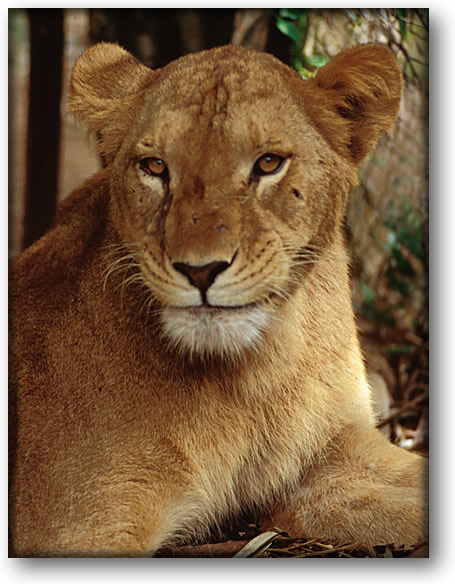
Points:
point(46, 48)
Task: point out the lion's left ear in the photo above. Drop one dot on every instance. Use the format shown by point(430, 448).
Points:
point(354, 98)
point(105, 84)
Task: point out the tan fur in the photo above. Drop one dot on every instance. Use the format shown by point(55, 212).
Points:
point(143, 416)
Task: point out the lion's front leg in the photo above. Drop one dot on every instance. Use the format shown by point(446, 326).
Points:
point(365, 491)
point(119, 522)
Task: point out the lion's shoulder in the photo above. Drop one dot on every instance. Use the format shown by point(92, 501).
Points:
point(58, 259)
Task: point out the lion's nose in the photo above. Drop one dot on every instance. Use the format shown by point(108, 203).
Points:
point(202, 277)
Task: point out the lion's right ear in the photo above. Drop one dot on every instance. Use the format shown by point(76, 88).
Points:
point(354, 98)
point(105, 84)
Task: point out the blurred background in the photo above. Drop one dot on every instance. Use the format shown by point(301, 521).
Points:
point(387, 222)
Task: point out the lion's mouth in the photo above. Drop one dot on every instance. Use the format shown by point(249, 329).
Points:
point(206, 306)
point(214, 308)
point(220, 330)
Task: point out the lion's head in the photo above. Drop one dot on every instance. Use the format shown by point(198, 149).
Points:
point(229, 174)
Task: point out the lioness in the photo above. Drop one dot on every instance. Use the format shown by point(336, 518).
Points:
point(184, 342)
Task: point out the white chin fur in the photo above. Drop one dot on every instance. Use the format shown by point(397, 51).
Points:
point(214, 331)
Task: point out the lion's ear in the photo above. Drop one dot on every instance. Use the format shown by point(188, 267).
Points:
point(354, 98)
point(105, 84)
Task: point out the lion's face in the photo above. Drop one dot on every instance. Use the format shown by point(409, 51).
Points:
point(226, 187)
point(223, 193)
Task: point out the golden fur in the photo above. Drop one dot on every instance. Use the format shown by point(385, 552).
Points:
point(184, 344)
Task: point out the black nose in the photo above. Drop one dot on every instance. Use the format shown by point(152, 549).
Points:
point(202, 277)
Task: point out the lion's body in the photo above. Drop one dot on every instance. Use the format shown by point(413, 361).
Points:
point(185, 349)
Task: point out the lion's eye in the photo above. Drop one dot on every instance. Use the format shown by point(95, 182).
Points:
point(268, 164)
point(154, 166)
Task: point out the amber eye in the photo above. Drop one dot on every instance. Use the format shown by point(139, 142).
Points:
point(154, 166)
point(268, 164)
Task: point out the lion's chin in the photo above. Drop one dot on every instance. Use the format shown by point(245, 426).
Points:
point(223, 332)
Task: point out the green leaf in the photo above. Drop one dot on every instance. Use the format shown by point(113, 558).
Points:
point(380, 316)
point(305, 73)
point(391, 237)
point(287, 13)
point(398, 349)
point(293, 13)
point(398, 284)
point(369, 295)
point(403, 24)
point(402, 263)
point(288, 29)
point(413, 242)
point(316, 60)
